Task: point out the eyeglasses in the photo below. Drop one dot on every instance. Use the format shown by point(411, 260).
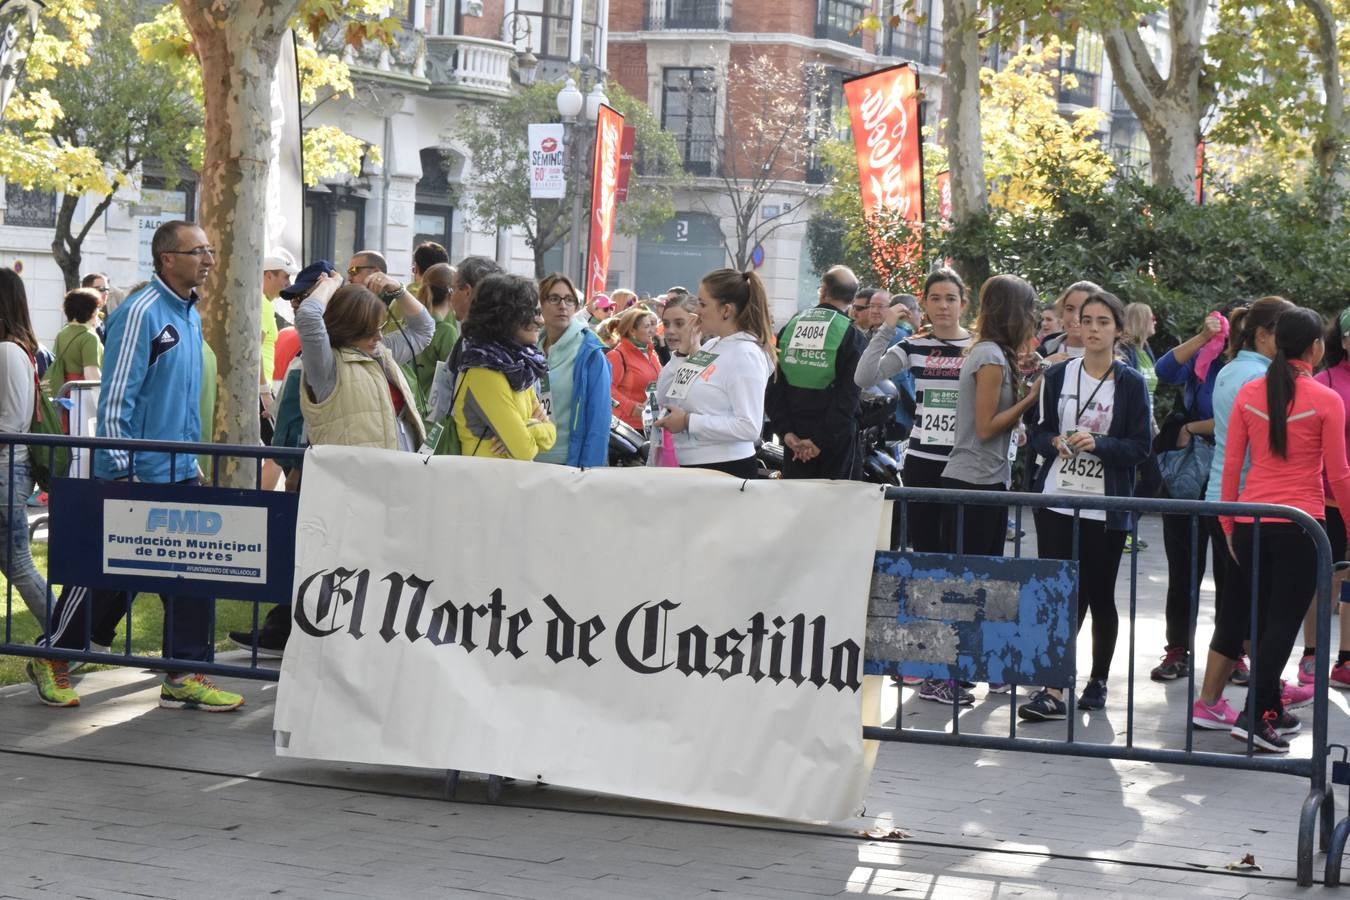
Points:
point(198, 252)
point(356, 270)
point(560, 300)
point(862, 308)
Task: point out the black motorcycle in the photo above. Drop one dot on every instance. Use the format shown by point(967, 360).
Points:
point(629, 447)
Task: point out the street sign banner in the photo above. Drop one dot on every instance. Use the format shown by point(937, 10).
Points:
point(547, 162)
point(604, 198)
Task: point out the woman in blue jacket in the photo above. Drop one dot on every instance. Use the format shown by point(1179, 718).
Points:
point(1193, 420)
point(1094, 429)
point(575, 393)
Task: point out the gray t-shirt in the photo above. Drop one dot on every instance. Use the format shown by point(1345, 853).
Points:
point(973, 460)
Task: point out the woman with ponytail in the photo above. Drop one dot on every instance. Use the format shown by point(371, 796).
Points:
point(713, 399)
point(1251, 346)
point(1293, 427)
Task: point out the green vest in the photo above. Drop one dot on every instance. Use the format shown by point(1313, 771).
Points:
point(810, 347)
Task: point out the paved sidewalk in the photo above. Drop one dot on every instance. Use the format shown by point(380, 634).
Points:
point(120, 798)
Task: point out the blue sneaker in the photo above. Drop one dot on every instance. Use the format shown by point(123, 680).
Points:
point(1094, 695)
point(1042, 707)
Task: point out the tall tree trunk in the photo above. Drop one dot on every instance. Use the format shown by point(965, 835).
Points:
point(237, 44)
point(68, 244)
point(64, 251)
point(965, 143)
point(1169, 109)
point(1332, 144)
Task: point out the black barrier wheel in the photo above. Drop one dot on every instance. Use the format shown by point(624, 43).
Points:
point(451, 783)
point(38, 524)
point(494, 789)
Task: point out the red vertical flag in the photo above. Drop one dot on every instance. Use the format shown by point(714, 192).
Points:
point(944, 192)
point(884, 107)
point(626, 149)
point(604, 197)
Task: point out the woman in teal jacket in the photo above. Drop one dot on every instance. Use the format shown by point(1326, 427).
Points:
point(576, 390)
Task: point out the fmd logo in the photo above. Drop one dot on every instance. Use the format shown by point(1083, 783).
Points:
point(182, 521)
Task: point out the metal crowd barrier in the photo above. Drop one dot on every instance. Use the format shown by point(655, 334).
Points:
point(1317, 808)
point(16, 507)
point(1319, 805)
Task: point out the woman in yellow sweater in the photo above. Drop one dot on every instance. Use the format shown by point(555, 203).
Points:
point(497, 409)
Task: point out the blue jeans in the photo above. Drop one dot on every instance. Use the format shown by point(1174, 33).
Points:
point(16, 561)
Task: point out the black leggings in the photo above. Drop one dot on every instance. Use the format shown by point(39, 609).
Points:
point(983, 528)
point(741, 468)
point(925, 521)
point(1099, 551)
point(1177, 543)
point(1232, 597)
point(1285, 580)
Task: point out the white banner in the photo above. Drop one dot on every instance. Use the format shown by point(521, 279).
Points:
point(546, 162)
point(285, 170)
point(668, 634)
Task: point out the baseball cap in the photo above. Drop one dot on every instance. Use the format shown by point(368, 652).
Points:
point(280, 258)
point(308, 277)
point(602, 301)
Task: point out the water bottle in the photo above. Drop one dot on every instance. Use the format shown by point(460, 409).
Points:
point(650, 411)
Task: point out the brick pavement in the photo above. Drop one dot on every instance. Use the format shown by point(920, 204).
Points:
point(120, 798)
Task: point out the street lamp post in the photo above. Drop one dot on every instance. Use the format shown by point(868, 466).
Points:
point(571, 102)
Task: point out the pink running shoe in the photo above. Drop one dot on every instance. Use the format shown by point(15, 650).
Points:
point(1340, 676)
point(1307, 670)
point(1241, 674)
point(1219, 716)
point(1295, 696)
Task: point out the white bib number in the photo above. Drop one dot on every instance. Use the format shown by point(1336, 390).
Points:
point(808, 335)
point(698, 365)
point(546, 396)
point(937, 418)
point(1082, 474)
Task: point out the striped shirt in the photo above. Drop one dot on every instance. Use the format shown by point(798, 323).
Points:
point(936, 367)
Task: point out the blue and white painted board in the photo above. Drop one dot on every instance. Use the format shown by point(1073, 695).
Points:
point(978, 618)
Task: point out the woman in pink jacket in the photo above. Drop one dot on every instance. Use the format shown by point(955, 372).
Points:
point(1293, 427)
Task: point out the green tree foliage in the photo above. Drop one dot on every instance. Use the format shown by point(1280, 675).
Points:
point(496, 136)
point(122, 109)
point(1152, 245)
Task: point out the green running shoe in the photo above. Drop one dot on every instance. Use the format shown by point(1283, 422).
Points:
point(52, 679)
point(197, 692)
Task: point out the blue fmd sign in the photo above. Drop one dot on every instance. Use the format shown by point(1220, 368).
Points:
point(173, 539)
point(978, 618)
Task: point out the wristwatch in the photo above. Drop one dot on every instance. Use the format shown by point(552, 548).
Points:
point(390, 294)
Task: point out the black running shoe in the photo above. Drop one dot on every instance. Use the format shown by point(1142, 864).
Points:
point(1264, 736)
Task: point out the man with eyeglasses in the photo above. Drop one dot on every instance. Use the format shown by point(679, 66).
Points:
point(98, 282)
point(152, 386)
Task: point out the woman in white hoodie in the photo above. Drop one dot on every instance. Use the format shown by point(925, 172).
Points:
point(713, 399)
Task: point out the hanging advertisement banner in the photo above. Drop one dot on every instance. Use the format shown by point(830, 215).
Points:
point(604, 197)
point(626, 160)
point(944, 192)
point(285, 202)
point(547, 162)
point(884, 109)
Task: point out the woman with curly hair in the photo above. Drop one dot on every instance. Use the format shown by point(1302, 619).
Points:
point(496, 410)
point(634, 363)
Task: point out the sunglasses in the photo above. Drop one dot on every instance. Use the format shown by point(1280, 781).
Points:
point(356, 270)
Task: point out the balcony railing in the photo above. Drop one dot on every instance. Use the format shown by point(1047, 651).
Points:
point(469, 65)
point(1084, 93)
point(686, 15)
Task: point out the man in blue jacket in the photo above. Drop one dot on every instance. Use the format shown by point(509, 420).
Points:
point(152, 379)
